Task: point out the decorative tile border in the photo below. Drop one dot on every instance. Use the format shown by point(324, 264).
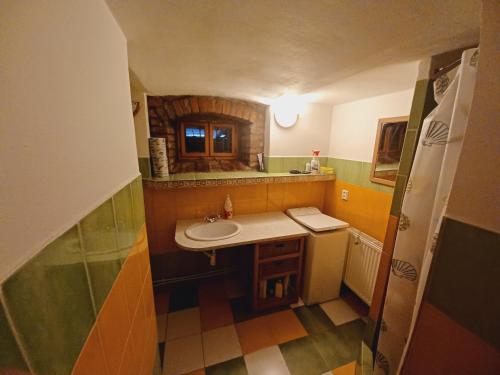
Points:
point(224, 179)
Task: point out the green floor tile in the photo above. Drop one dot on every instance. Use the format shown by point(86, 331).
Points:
point(341, 345)
point(314, 319)
point(353, 331)
point(232, 367)
point(302, 357)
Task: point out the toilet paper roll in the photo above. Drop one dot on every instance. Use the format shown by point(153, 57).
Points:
point(159, 159)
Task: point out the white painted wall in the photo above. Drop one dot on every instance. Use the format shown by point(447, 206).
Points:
point(141, 124)
point(474, 197)
point(311, 131)
point(354, 124)
point(67, 136)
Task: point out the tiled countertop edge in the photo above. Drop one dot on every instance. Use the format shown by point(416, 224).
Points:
point(239, 180)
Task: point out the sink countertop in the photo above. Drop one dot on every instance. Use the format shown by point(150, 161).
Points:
point(266, 226)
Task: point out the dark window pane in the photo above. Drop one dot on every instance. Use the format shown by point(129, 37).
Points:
point(195, 138)
point(223, 142)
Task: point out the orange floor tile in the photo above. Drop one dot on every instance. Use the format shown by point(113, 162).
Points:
point(268, 330)
point(349, 369)
point(284, 326)
point(254, 335)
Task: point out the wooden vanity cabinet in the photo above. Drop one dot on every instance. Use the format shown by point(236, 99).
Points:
point(277, 261)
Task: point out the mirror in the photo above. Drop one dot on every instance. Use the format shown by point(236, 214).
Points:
point(388, 146)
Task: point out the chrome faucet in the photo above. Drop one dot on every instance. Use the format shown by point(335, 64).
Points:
point(212, 218)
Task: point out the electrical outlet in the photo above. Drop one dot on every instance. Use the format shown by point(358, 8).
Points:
point(345, 194)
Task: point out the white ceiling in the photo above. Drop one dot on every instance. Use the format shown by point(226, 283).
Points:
point(258, 49)
point(372, 82)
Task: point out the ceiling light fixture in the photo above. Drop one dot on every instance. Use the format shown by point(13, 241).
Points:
point(286, 110)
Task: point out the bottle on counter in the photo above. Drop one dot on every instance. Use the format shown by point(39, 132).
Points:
point(315, 167)
point(228, 208)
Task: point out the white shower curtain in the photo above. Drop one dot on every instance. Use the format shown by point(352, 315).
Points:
point(422, 210)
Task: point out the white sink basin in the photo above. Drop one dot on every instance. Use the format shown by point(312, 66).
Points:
point(218, 230)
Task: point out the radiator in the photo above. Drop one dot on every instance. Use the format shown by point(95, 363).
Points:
point(363, 258)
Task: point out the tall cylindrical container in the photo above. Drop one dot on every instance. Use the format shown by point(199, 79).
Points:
point(159, 159)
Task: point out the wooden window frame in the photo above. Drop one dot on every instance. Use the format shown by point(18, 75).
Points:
point(209, 143)
point(182, 137)
point(234, 141)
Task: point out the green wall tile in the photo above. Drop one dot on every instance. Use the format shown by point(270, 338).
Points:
point(463, 282)
point(11, 360)
point(356, 173)
point(266, 163)
point(366, 169)
point(275, 164)
point(331, 162)
point(290, 163)
point(352, 172)
point(386, 189)
point(145, 167)
point(422, 103)
point(399, 191)
point(283, 164)
point(103, 270)
point(126, 232)
point(103, 258)
point(99, 230)
point(50, 304)
point(409, 147)
point(340, 168)
point(138, 203)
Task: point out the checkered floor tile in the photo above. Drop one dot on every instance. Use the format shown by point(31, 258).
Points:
point(209, 328)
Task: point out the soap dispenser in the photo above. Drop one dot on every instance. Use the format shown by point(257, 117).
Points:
point(315, 167)
point(228, 208)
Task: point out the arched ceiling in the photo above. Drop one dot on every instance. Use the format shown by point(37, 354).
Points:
point(257, 49)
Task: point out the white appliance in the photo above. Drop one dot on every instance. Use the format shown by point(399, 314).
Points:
point(326, 248)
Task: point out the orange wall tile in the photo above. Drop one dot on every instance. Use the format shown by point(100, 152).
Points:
point(442, 346)
point(165, 207)
point(124, 336)
point(91, 359)
point(367, 210)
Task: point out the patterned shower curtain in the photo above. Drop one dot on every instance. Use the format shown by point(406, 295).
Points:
point(423, 207)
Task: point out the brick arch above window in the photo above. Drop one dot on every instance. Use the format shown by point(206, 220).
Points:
point(167, 112)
